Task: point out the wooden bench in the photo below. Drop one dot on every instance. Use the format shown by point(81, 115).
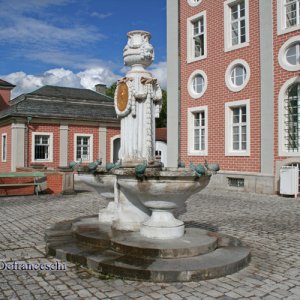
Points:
point(35, 175)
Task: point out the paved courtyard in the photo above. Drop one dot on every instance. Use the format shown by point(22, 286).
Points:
point(270, 225)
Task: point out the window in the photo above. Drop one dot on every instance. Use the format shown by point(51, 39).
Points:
point(291, 12)
point(292, 119)
point(197, 84)
point(197, 131)
point(42, 146)
point(237, 75)
point(194, 2)
point(289, 118)
point(236, 18)
point(288, 15)
point(237, 132)
point(197, 48)
point(4, 147)
point(84, 147)
point(289, 54)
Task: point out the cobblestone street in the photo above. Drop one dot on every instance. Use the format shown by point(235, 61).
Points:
point(269, 225)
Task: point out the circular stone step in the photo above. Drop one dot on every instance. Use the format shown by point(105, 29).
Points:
point(194, 242)
point(130, 256)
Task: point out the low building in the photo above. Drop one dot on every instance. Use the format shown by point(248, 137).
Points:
point(55, 125)
point(161, 145)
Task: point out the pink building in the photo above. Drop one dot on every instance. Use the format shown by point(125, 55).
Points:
point(54, 125)
point(234, 77)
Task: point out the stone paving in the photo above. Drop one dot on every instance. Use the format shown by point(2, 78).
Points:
point(270, 225)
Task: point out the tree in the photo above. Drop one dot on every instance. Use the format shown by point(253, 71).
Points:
point(162, 120)
point(110, 92)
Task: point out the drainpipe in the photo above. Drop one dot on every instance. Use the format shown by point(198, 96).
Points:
point(29, 118)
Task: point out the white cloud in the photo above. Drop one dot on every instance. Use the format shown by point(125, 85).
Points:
point(26, 83)
point(159, 71)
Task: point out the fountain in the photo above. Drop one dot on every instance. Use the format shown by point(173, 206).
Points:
point(138, 236)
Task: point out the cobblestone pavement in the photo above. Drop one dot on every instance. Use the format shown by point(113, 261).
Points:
point(270, 225)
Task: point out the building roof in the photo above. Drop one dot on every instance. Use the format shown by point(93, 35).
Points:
point(161, 134)
point(63, 103)
point(6, 84)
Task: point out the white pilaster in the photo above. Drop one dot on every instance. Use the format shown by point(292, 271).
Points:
point(102, 144)
point(63, 145)
point(17, 145)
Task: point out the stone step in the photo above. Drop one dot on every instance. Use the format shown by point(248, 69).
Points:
point(221, 262)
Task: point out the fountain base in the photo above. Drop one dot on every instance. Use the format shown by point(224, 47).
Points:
point(198, 255)
point(162, 225)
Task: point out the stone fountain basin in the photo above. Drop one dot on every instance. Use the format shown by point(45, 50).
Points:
point(166, 191)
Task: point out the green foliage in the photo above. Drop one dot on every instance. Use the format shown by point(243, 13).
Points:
point(110, 92)
point(161, 122)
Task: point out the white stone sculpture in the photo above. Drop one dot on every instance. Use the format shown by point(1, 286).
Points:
point(138, 102)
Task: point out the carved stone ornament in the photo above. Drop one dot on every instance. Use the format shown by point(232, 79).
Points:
point(123, 97)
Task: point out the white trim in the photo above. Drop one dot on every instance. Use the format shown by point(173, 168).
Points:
point(112, 139)
point(4, 159)
point(193, 2)
point(227, 26)
point(282, 54)
point(190, 135)
point(50, 134)
point(229, 83)
point(282, 151)
point(281, 26)
point(191, 91)
point(91, 154)
point(228, 133)
point(190, 21)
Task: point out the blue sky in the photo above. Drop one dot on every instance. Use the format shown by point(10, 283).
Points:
point(75, 43)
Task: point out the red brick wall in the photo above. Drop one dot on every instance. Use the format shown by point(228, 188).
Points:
point(111, 132)
point(54, 183)
point(56, 136)
point(280, 76)
point(217, 93)
point(5, 166)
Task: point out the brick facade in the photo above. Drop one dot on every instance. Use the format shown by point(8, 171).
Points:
point(5, 166)
point(217, 93)
point(263, 22)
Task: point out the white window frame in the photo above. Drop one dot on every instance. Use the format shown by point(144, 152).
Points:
point(190, 37)
point(4, 149)
point(227, 26)
point(191, 112)
point(229, 83)
point(281, 19)
point(282, 151)
point(91, 155)
point(282, 54)
point(193, 2)
point(50, 158)
point(191, 90)
point(228, 128)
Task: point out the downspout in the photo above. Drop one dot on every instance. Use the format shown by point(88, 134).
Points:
point(29, 118)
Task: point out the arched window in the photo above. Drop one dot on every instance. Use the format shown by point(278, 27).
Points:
point(292, 118)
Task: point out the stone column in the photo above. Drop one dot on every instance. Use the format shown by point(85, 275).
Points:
point(63, 146)
point(102, 144)
point(173, 83)
point(17, 145)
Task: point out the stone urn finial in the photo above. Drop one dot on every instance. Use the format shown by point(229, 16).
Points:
point(138, 51)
